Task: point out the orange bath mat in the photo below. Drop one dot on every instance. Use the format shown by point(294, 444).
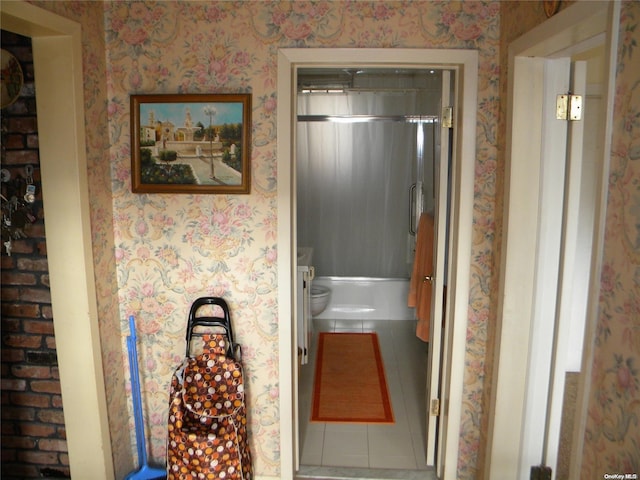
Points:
point(350, 384)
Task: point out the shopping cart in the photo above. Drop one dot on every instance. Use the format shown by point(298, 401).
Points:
point(207, 427)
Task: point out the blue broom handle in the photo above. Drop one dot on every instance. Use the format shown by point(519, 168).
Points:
point(135, 393)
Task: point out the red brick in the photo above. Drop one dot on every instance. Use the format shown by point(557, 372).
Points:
point(21, 157)
point(45, 386)
point(36, 295)
point(18, 442)
point(14, 141)
point(33, 141)
point(30, 396)
point(10, 294)
point(22, 247)
point(11, 325)
point(14, 385)
point(36, 429)
point(51, 342)
point(42, 458)
point(12, 355)
point(18, 413)
point(46, 312)
point(33, 264)
point(42, 248)
point(7, 262)
point(38, 326)
point(8, 428)
point(53, 445)
point(23, 125)
point(28, 371)
point(56, 401)
point(31, 400)
point(12, 278)
point(24, 341)
point(51, 416)
point(23, 311)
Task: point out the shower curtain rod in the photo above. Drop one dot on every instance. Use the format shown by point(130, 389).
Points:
point(339, 88)
point(369, 118)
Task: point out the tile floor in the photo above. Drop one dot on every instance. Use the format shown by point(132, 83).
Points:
point(399, 449)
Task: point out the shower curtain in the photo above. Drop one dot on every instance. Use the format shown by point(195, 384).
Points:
point(353, 184)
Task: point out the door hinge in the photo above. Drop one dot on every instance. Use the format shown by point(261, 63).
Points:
point(569, 107)
point(435, 407)
point(540, 472)
point(447, 117)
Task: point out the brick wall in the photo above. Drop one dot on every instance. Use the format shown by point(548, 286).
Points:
point(33, 433)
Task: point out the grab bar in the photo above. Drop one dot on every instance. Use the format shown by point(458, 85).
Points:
point(412, 206)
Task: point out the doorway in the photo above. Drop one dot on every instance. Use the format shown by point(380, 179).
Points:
point(57, 53)
point(536, 251)
point(453, 347)
point(368, 157)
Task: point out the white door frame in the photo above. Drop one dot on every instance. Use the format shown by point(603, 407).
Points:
point(573, 28)
point(434, 445)
point(465, 62)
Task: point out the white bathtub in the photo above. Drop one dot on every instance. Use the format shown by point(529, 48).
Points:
point(362, 298)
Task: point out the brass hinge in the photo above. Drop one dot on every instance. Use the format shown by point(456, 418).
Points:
point(447, 117)
point(569, 107)
point(435, 407)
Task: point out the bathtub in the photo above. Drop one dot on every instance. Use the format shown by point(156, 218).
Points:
point(363, 298)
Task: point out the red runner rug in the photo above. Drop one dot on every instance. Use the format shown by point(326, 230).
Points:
point(350, 384)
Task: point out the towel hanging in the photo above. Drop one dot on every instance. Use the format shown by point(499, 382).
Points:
point(420, 287)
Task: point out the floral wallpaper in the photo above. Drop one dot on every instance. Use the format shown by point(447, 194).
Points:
point(170, 249)
point(154, 254)
point(612, 436)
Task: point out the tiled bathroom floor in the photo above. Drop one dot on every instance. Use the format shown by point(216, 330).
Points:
point(349, 450)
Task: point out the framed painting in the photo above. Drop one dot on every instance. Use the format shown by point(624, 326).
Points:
point(193, 143)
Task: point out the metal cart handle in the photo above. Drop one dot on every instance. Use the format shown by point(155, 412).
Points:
point(222, 322)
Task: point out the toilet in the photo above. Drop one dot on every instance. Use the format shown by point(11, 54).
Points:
point(319, 299)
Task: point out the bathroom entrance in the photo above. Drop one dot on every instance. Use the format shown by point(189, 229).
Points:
point(444, 443)
point(372, 157)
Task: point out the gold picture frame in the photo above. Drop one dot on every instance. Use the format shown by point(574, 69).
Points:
point(191, 143)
